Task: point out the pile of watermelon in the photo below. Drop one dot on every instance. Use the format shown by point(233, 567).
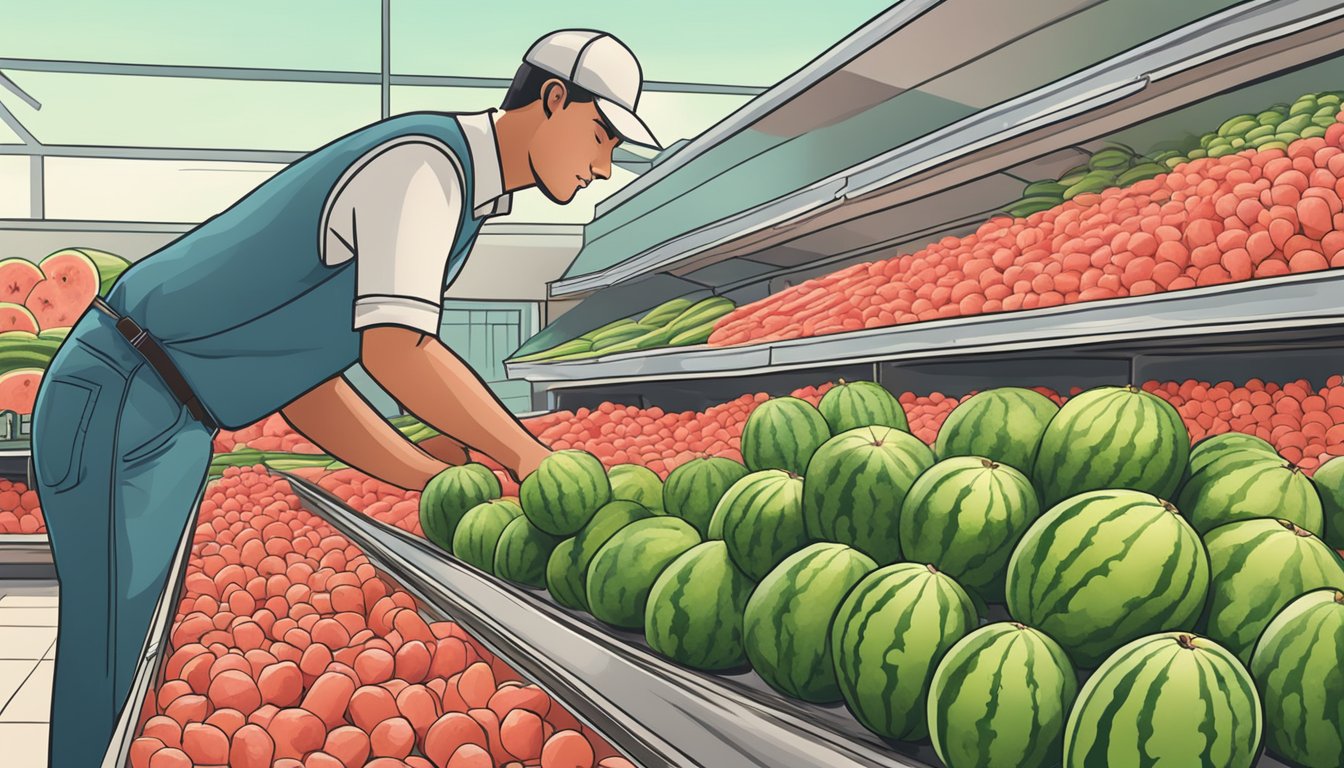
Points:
point(38, 305)
point(288, 649)
point(1168, 603)
point(1259, 212)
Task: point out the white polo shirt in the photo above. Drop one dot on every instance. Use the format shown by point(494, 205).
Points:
point(396, 212)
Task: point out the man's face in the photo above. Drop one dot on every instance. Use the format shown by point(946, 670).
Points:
point(571, 148)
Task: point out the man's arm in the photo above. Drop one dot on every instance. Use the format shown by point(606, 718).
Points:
point(433, 383)
point(334, 416)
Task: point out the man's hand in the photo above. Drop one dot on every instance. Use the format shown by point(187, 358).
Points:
point(446, 449)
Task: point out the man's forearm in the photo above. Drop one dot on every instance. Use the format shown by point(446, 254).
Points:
point(443, 391)
point(335, 417)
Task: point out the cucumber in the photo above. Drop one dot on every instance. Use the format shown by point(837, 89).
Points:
point(664, 312)
point(1074, 175)
point(619, 335)
point(697, 335)
point(1140, 172)
point(1271, 117)
point(1092, 182)
point(1032, 204)
point(1259, 131)
point(1294, 124)
point(593, 334)
point(1044, 187)
point(1303, 106)
point(567, 348)
point(1236, 125)
point(1110, 159)
point(1313, 131)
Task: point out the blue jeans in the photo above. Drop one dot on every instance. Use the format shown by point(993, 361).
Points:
point(120, 466)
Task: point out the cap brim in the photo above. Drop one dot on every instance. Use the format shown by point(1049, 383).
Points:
point(627, 124)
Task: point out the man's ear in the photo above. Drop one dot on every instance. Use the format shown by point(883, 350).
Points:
point(553, 95)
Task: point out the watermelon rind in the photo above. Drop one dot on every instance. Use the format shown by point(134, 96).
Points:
point(761, 520)
point(855, 485)
point(783, 433)
point(108, 266)
point(478, 533)
point(1133, 440)
point(887, 639)
point(695, 608)
point(694, 489)
point(567, 571)
point(1170, 698)
point(522, 553)
point(1000, 698)
point(561, 496)
point(966, 515)
point(562, 581)
point(1258, 567)
point(1106, 567)
point(449, 495)
point(1004, 425)
point(1329, 482)
point(1245, 484)
point(850, 405)
point(632, 482)
point(624, 570)
point(1214, 447)
point(27, 321)
point(787, 624)
point(1297, 665)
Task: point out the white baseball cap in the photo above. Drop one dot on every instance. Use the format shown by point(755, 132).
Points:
point(602, 65)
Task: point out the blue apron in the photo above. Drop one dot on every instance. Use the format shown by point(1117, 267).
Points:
point(250, 315)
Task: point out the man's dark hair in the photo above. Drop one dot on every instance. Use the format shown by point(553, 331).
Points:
point(526, 88)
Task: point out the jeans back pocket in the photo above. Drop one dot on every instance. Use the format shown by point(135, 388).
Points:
point(60, 426)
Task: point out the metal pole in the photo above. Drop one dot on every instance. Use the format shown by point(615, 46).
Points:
point(387, 59)
point(37, 193)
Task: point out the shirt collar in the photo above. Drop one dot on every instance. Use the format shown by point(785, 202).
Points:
point(490, 199)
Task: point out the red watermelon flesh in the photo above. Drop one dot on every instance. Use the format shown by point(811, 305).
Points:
point(18, 390)
point(17, 278)
point(57, 305)
point(16, 317)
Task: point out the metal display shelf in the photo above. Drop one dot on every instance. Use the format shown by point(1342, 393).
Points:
point(1293, 305)
point(1241, 45)
point(659, 714)
point(26, 556)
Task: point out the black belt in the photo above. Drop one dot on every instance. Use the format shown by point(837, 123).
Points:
point(153, 354)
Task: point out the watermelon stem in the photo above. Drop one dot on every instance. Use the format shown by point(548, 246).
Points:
point(1187, 641)
point(1339, 597)
point(1017, 625)
point(987, 464)
point(1168, 506)
point(931, 568)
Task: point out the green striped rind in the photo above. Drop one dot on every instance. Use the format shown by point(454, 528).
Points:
point(857, 404)
point(1004, 425)
point(567, 571)
point(1104, 568)
point(694, 613)
point(693, 490)
point(760, 518)
point(624, 569)
point(631, 482)
point(855, 485)
point(999, 699)
point(1242, 485)
point(478, 534)
point(1297, 664)
point(887, 639)
point(1155, 702)
point(965, 515)
point(783, 433)
point(1112, 437)
point(1329, 482)
point(787, 625)
point(1214, 447)
point(562, 495)
point(450, 495)
point(522, 553)
point(1258, 567)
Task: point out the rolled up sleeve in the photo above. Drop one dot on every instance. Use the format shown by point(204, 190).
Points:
point(406, 210)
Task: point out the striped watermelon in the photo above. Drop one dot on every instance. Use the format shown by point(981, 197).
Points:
point(760, 518)
point(887, 639)
point(631, 482)
point(1297, 663)
point(1258, 567)
point(522, 553)
point(694, 613)
point(1169, 699)
point(966, 515)
point(999, 699)
point(783, 433)
point(1111, 437)
point(562, 495)
point(567, 571)
point(1104, 568)
point(450, 495)
point(1246, 484)
point(693, 490)
point(624, 569)
point(787, 625)
point(857, 404)
point(1329, 482)
point(1003, 424)
point(478, 534)
point(854, 487)
point(1215, 447)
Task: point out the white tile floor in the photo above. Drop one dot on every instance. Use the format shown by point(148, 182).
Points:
point(27, 650)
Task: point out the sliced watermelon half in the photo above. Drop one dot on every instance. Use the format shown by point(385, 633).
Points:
point(18, 390)
point(17, 278)
point(16, 317)
point(108, 266)
point(58, 305)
